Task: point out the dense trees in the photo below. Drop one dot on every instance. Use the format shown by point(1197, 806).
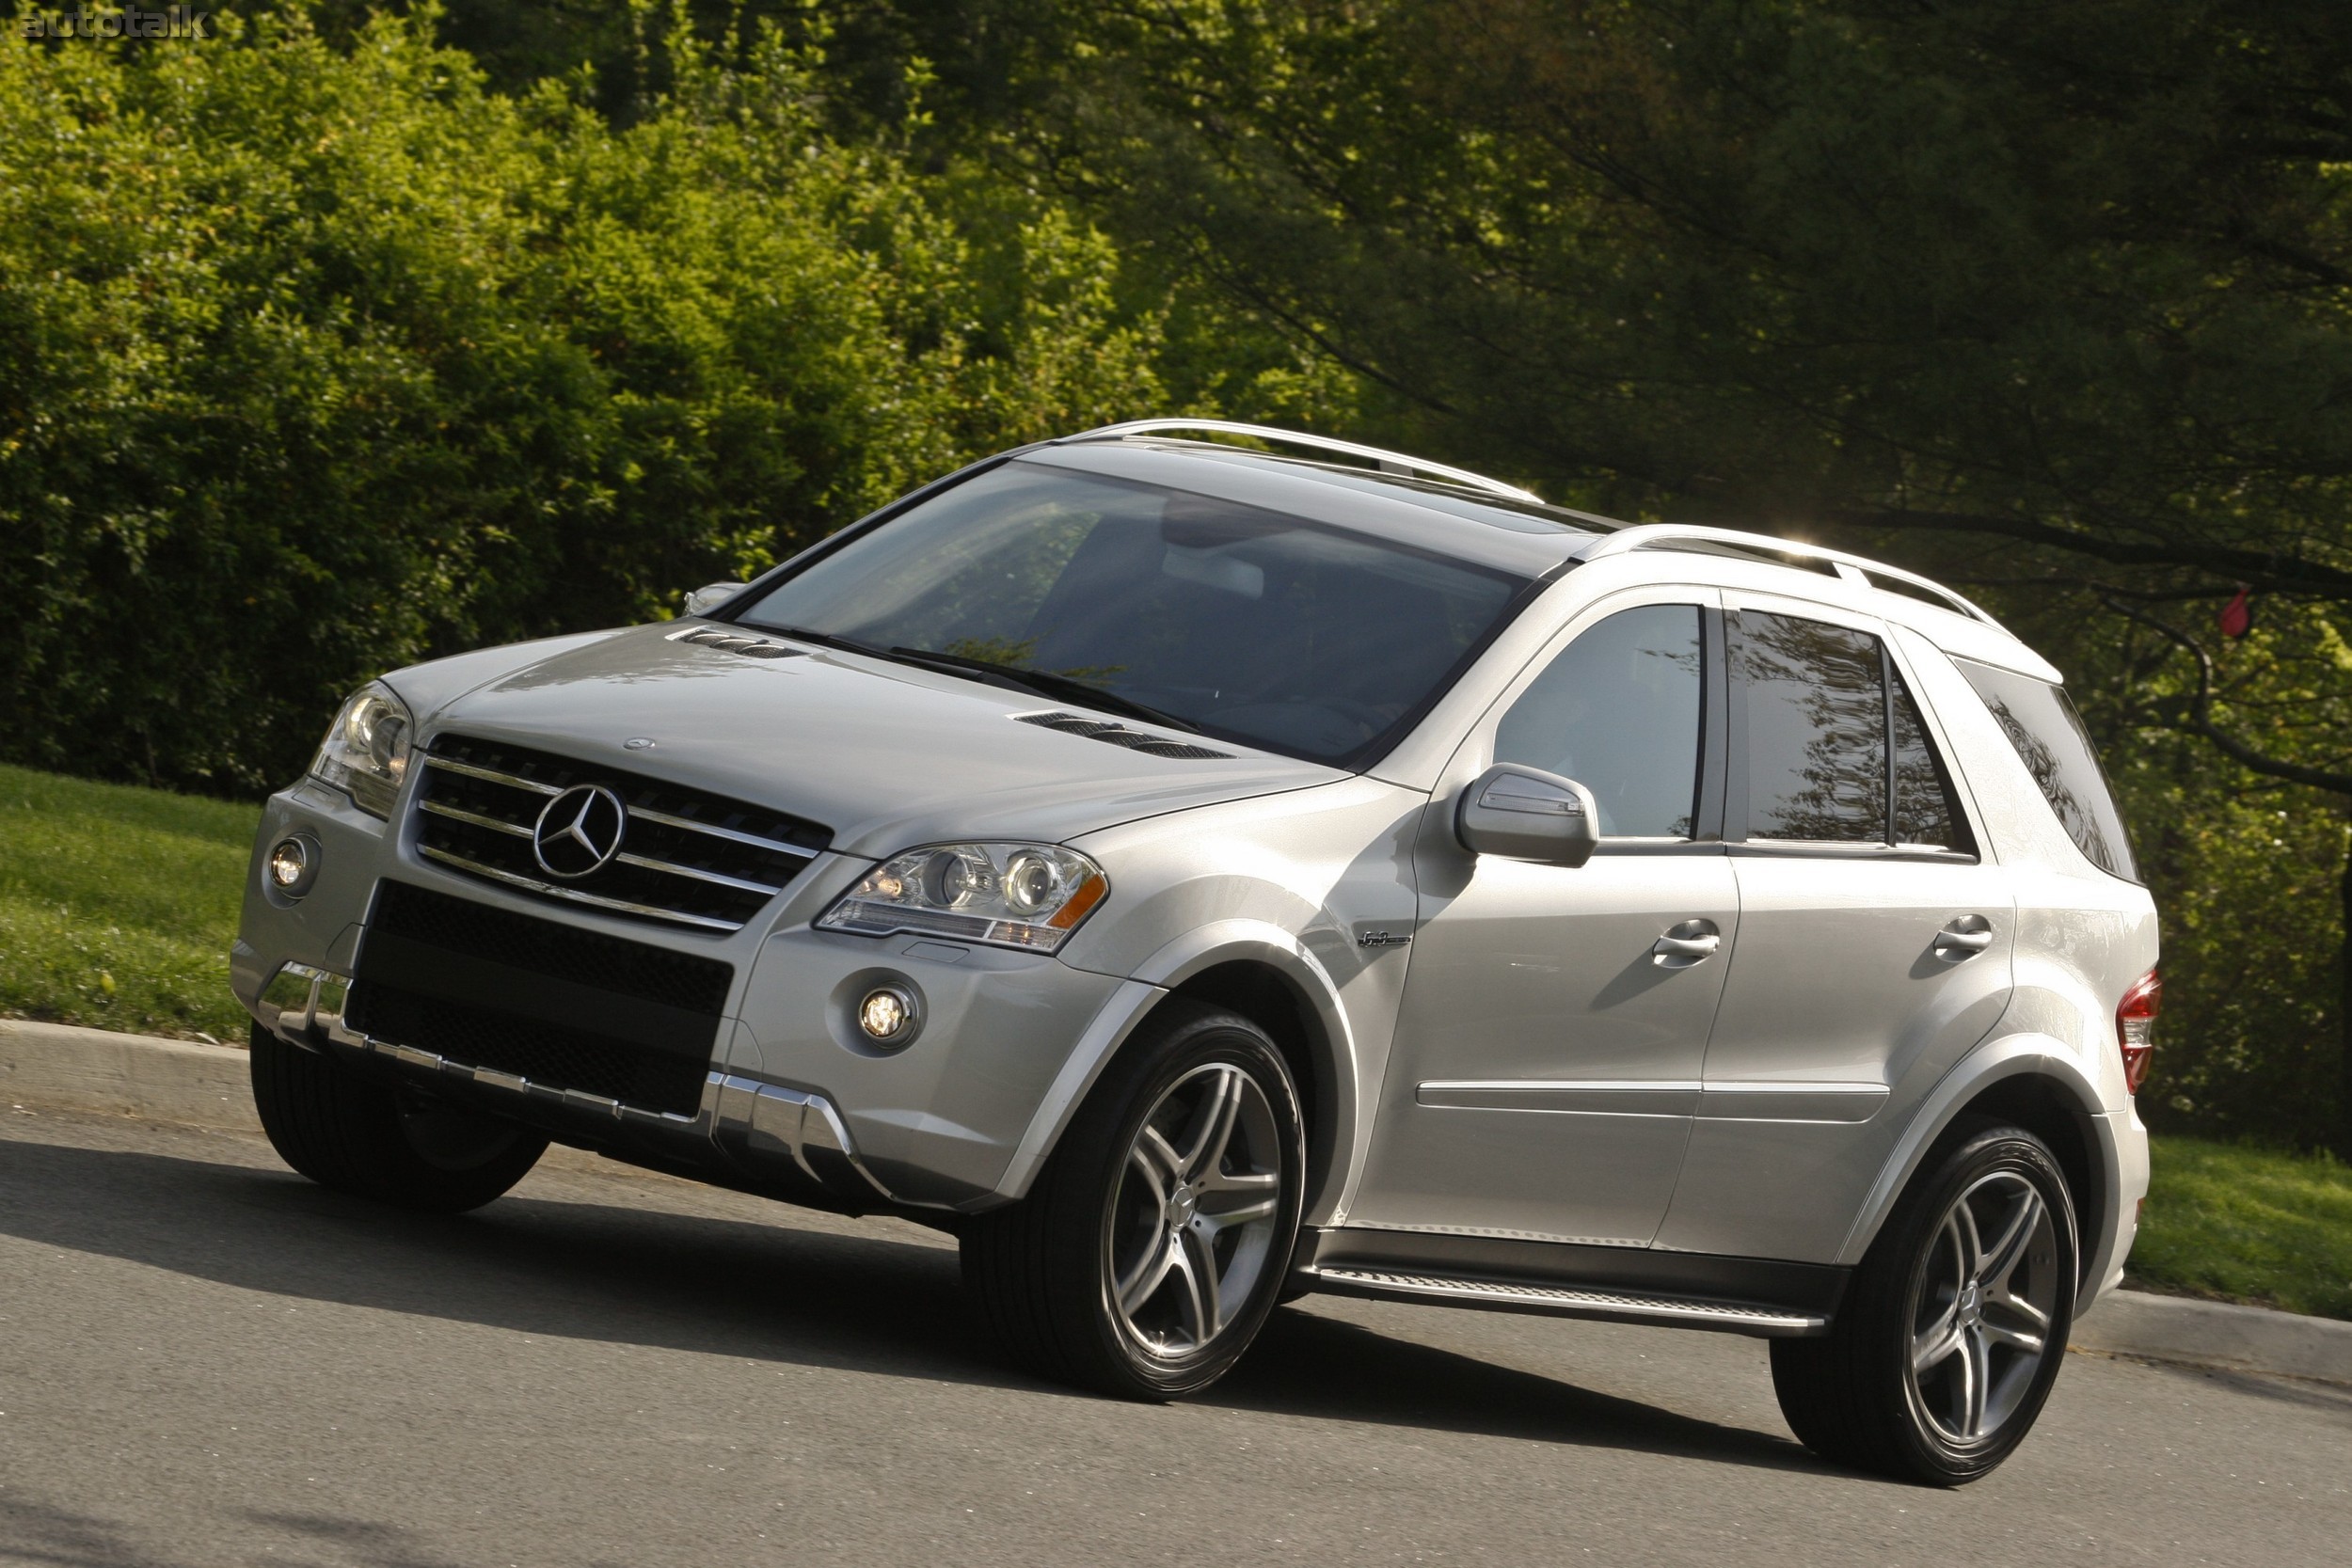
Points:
point(327, 348)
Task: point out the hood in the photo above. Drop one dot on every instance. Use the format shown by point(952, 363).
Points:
point(886, 754)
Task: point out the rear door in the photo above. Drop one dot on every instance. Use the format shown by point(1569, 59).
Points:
point(1874, 940)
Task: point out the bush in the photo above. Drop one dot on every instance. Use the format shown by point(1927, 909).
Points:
point(317, 362)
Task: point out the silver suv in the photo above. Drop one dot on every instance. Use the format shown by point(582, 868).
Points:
point(1195, 875)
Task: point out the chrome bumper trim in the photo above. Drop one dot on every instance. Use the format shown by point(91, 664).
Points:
point(753, 1126)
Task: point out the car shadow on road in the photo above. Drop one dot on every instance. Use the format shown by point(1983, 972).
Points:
point(658, 1279)
point(1308, 1365)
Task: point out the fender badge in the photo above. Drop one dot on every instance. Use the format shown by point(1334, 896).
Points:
point(1381, 939)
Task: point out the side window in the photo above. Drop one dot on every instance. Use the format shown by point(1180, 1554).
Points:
point(1618, 711)
point(2056, 751)
point(1816, 709)
point(1925, 810)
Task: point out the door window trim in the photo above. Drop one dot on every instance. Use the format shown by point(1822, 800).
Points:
point(1709, 787)
point(1736, 802)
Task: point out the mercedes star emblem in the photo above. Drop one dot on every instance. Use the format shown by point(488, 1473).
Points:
point(578, 831)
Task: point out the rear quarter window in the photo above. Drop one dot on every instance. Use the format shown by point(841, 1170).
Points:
point(2050, 740)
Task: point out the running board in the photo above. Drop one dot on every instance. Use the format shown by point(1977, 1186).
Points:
point(1566, 1302)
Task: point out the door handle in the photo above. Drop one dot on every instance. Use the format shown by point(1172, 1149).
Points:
point(1684, 944)
point(1964, 938)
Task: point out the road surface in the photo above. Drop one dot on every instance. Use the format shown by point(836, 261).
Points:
point(205, 1360)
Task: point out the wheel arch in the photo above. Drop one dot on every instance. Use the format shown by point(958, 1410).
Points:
point(1265, 974)
point(2032, 1082)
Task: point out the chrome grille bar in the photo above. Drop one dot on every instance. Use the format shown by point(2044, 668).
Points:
point(672, 869)
point(489, 775)
point(575, 895)
point(692, 826)
point(458, 814)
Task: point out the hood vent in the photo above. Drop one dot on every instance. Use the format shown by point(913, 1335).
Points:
point(735, 643)
point(1120, 735)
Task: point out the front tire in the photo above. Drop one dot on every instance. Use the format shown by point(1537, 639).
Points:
point(1146, 1257)
point(1955, 1325)
point(382, 1140)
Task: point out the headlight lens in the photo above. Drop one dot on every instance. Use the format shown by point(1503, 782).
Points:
point(1028, 895)
point(366, 751)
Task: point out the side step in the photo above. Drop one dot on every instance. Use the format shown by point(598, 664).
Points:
point(1565, 1301)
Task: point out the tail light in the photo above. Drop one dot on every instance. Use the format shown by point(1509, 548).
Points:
point(2135, 1026)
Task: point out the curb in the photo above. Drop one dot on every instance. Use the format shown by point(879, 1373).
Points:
point(58, 1067)
point(2215, 1334)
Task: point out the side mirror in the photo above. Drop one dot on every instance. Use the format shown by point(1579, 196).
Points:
point(702, 600)
point(1525, 814)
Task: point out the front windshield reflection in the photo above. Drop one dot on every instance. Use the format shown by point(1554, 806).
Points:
point(1242, 623)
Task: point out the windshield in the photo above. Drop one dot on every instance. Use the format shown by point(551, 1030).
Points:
point(1250, 625)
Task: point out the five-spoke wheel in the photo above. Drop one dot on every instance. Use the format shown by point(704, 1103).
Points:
point(1192, 1223)
point(1952, 1329)
point(1152, 1246)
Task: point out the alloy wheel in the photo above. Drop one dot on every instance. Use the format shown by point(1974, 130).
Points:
point(1983, 1304)
point(1193, 1215)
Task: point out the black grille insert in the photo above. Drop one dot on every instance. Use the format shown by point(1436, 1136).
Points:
point(568, 1008)
point(685, 858)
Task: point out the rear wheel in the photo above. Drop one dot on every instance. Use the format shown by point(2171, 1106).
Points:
point(1955, 1325)
point(383, 1140)
point(1150, 1249)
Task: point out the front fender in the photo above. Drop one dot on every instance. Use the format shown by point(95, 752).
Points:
point(1195, 953)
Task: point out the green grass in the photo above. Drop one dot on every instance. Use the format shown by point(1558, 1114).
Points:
point(2246, 1224)
point(118, 905)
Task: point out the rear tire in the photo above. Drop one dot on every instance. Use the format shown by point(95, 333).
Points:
point(1955, 1325)
point(1153, 1246)
point(382, 1140)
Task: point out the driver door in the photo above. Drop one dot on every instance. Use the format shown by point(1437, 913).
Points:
point(1554, 1022)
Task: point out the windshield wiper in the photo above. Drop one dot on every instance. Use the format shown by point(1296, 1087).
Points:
point(1046, 683)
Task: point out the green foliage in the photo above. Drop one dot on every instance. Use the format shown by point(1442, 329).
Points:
point(2248, 1223)
point(314, 362)
point(118, 905)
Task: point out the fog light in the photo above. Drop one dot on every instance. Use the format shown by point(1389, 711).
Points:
point(293, 865)
point(886, 1015)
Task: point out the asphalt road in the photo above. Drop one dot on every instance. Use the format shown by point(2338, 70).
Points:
point(204, 1360)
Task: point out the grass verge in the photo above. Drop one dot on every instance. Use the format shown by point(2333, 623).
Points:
point(2239, 1223)
point(118, 905)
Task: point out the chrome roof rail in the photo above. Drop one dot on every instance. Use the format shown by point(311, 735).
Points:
point(1852, 568)
point(1390, 462)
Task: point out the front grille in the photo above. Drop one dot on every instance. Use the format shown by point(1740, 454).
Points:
point(684, 857)
point(567, 1008)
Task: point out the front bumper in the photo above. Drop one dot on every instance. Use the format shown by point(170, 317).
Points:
point(786, 1142)
point(782, 1100)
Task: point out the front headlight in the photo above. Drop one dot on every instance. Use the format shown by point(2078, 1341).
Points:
point(1029, 896)
point(366, 751)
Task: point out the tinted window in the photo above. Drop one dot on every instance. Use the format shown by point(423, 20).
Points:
point(2056, 751)
point(1251, 624)
point(1815, 714)
point(1925, 810)
point(1618, 712)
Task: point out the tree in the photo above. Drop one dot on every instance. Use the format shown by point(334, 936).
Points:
point(2051, 297)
